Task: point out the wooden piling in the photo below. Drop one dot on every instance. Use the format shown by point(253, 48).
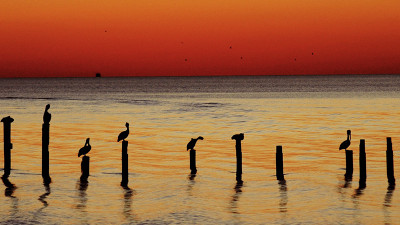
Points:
point(7, 145)
point(279, 163)
point(363, 162)
point(193, 169)
point(45, 153)
point(125, 177)
point(239, 161)
point(85, 167)
point(349, 164)
point(389, 162)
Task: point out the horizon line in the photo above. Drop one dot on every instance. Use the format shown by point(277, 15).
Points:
point(218, 75)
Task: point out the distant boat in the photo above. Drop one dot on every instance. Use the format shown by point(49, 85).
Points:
point(98, 74)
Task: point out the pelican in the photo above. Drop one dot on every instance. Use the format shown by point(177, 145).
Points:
point(85, 149)
point(124, 134)
point(238, 136)
point(345, 144)
point(46, 115)
point(192, 143)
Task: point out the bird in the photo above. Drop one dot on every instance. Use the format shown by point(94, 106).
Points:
point(46, 115)
point(85, 149)
point(192, 143)
point(124, 134)
point(345, 144)
point(238, 136)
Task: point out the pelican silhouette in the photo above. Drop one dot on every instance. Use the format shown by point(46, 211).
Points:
point(46, 115)
point(85, 149)
point(238, 136)
point(345, 144)
point(124, 134)
point(192, 143)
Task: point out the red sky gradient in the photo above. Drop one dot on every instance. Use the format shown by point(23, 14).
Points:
point(147, 38)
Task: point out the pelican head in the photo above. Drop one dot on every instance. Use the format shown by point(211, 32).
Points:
point(349, 134)
point(47, 106)
point(200, 137)
point(127, 124)
point(87, 140)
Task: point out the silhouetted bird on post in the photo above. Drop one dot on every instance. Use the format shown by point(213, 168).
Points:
point(238, 136)
point(192, 143)
point(46, 115)
point(85, 149)
point(345, 144)
point(124, 134)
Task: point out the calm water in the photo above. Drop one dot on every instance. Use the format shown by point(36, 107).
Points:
point(307, 115)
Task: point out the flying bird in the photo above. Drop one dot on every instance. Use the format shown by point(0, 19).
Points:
point(124, 134)
point(345, 144)
point(192, 143)
point(85, 149)
point(46, 115)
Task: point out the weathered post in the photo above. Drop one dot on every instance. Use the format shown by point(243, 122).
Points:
point(238, 138)
point(389, 162)
point(363, 163)
point(279, 163)
point(45, 153)
point(193, 169)
point(349, 165)
point(125, 178)
point(85, 168)
point(7, 145)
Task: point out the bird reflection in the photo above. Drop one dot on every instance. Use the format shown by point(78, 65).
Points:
point(235, 197)
point(82, 186)
point(128, 193)
point(283, 196)
point(42, 198)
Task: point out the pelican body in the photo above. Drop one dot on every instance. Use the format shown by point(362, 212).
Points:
point(85, 149)
point(345, 144)
point(46, 115)
point(192, 143)
point(124, 134)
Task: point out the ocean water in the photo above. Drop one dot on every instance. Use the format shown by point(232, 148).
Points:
point(307, 115)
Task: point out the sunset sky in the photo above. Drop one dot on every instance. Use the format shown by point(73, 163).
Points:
point(41, 38)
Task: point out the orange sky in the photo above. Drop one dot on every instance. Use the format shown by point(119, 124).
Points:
point(146, 37)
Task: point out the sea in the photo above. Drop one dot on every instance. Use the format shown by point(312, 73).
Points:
point(307, 115)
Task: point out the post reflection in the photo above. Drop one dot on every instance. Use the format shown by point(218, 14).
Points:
point(235, 197)
point(387, 204)
point(7, 182)
point(360, 190)
point(389, 195)
point(82, 186)
point(42, 198)
point(9, 193)
point(127, 211)
point(283, 196)
point(191, 183)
